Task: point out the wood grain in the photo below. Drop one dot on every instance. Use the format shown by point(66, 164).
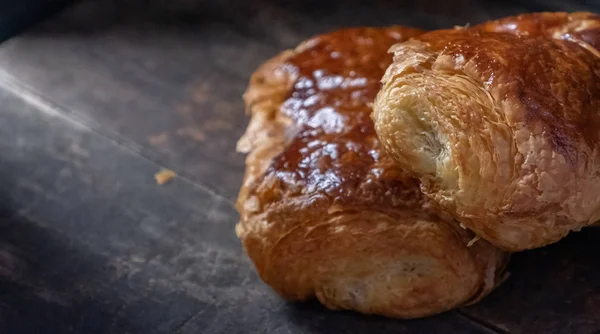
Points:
point(551, 290)
point(99, 99)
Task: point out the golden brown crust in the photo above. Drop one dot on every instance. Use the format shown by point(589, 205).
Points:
point(501, 123)
point(324, 213)
point(581, 27)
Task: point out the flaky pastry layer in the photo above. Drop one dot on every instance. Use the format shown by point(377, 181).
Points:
point(501, 123)
point(325, 212)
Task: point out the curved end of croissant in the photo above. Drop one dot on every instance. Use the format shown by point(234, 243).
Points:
point(407, 133)
point(472, 140)
point(408, 116)
point(376, 263)
point(438, 123)
point(427, 116)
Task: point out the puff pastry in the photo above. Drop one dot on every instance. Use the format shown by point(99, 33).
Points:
point(324, 212)
point(501, 123)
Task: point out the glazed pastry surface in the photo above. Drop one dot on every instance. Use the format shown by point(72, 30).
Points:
point(325, 212)
point(501, 123)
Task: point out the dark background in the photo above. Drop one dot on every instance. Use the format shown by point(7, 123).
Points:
point(99, 95)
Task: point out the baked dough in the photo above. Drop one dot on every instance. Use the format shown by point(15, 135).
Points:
point(501, 123)
point(324, 212)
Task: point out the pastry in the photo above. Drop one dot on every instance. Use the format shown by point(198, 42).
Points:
point(324, 212)
point(501, 123)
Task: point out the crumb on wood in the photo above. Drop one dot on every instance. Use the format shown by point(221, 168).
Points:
point(164, 176)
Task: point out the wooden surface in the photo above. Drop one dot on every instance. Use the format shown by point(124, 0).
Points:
point(98, 99)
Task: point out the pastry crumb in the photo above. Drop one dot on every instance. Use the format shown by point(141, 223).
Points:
point(164, 176)
point(473, 241)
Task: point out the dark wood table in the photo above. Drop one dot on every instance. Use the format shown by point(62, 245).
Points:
point(96, 100)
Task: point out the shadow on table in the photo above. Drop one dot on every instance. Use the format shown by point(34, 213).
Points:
point(50, 284)
point(551, 289)
point(276, 17)
point(324, 321)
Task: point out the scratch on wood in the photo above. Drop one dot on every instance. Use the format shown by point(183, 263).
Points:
point(483, 323)
point(34, 99)
point(187, 269)
point(30, 96)
point(180, 327)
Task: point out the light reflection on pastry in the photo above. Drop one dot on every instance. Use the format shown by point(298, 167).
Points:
point(501, 123)
point(324, 212)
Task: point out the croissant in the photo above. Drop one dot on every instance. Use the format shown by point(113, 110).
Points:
point(324, 212)
point(501, 123)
